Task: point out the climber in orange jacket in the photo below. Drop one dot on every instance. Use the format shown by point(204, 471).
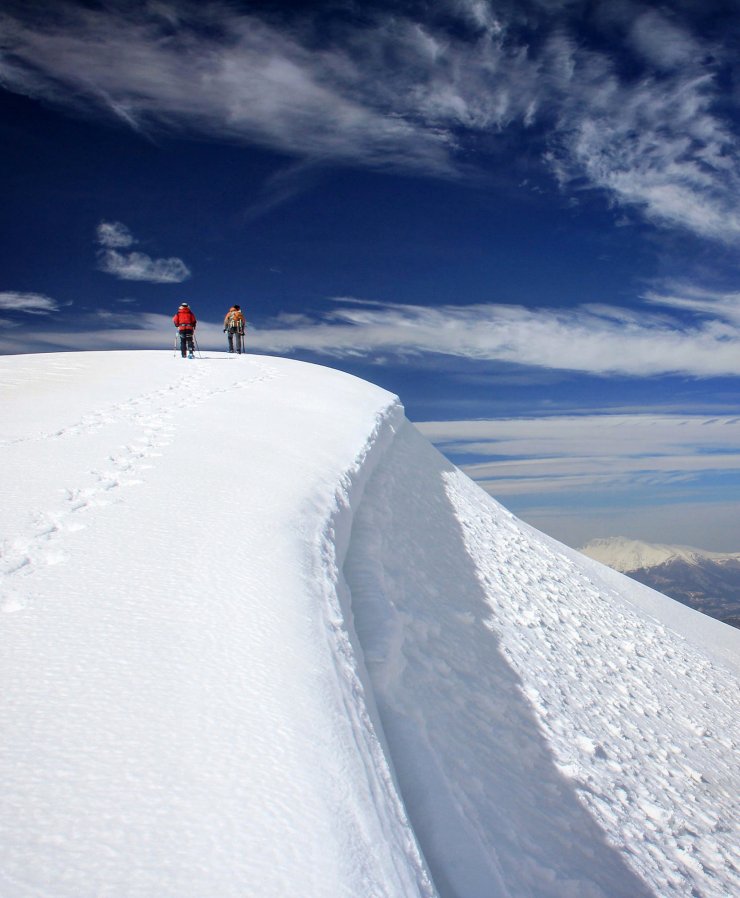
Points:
point(234, 328)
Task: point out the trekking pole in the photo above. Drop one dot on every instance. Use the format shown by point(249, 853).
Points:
point(197, 348)
point(175, 348)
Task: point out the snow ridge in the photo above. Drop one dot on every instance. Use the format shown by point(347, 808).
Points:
point(181, 713)
point(260, 638)
point(358, 700)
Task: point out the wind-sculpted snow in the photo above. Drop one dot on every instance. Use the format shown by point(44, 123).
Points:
point(550, 737)
point(260, 639)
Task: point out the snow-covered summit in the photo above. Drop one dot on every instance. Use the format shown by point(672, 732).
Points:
point(260, 638)
point(627, 555)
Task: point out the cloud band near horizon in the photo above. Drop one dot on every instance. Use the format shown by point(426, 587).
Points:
point(595, 340)
point(658, 476)
point(664, 477)
point(565, 453)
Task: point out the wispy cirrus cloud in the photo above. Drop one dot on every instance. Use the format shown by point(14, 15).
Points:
point(658, 147)
point(229, 76)
point(31, 303)
point(113, 236)
point(722, 305)
point(598, 340)
point(408, 92)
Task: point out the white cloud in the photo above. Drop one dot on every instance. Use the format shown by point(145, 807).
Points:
point(134, 266)
point(32, 303)
point(114, 235)
point(597, 339)
point(140, 267)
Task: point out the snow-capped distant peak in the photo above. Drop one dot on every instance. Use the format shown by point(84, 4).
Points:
point(626, 555)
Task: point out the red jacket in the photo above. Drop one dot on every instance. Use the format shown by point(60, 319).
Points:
point(184, 319)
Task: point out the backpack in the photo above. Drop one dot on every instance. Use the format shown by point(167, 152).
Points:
point(235, 320)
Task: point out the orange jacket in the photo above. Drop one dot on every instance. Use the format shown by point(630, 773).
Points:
point(234, 320)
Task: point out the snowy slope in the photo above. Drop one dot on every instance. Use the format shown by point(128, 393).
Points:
point(261, 639)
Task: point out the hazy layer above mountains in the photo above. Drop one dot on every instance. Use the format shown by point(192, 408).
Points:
point(706, 581)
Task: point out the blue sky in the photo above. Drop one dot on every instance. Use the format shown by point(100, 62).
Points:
point(523, 217)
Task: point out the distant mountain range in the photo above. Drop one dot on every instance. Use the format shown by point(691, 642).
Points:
point(706, 581)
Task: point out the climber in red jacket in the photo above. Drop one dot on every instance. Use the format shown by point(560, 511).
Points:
point(185, 322)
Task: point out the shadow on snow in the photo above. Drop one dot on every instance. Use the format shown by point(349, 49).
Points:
point(493, 814)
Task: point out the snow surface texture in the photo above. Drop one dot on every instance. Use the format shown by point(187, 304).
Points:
point(261, 639)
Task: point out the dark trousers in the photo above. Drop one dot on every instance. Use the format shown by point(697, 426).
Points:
point(235, 340)
point(186, 342)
